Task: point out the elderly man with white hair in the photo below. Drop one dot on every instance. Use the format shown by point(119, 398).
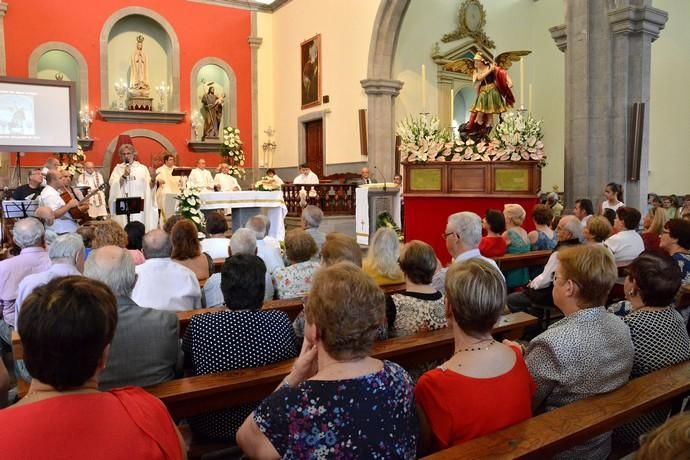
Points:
point(243, 241)
point(311, 221)
point(268, 253)
point(145, 348)
point(67, 258)
point(98, 207)
point(28, 234)
point(569, 233)
point(462, 235)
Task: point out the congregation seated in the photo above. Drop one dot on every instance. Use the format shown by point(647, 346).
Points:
point(675, 240)
point(668, 442)
point(67, 326)
point(419, 307)
point(295, 279)
point(268, 252)
point(584, 210)
point(309, 412)
point(485, 385)
point(243, 241)
point(135, 240)
point(658, 331)
point(243, 337)
point(186, 250)
point(543, 236)
point(340, 248)
point(538, 292)
point(162, 283)
point(216, 243)
point(144, 350)
point(669, 206)
point(381, 262)
point(28, 235)
point(110, 233)
point(653, 226)
point(311, 221)
point(625, 244)
point(597, 230)
point(171, 221)
point(610, 215)
point(493, 244)
point(517, 242)
point(589, 351)
point(462, 235)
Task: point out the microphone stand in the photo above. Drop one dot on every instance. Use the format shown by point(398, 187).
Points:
point(382, 177)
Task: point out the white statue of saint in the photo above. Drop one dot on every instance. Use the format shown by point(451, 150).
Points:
point(139, 77)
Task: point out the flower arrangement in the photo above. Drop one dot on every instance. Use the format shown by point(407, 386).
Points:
point(513, 139)
point(72, 161)
point(232, 153)
point(189, 206)
point(267, 184)
point(384, 219)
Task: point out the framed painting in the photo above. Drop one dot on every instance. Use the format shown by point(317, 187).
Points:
point(310, 58)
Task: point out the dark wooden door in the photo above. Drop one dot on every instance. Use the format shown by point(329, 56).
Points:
point(314, 146)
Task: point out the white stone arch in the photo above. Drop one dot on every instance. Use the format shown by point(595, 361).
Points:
point(134, 133)
point(43, 48)
point(232, 91)
point(379, 86)
point(174, 43)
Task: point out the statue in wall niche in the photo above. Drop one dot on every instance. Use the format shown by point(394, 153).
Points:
point(139, 76)
point(212, 111)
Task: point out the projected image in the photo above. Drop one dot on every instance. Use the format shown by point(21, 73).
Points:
point(17, 116)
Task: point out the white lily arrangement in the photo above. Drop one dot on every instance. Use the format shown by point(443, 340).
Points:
point(189, 206)
point(513, 139)
point(267, 184)
point(232, 152)
point(72, 161)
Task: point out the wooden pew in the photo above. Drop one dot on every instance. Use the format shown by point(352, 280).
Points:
point(200, 394)
point(565, 427)
point(528, 259)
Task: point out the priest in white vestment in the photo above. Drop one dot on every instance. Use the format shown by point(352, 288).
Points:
point(200, 177)
point(132, 179)
point(223, 181)
point(93, 179)
point(166, 182)
point(306, 176)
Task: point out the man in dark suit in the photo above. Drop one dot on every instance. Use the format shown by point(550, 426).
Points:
point(145, 350)
point(365, 178)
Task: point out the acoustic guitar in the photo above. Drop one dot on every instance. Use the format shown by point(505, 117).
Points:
point(80, 213)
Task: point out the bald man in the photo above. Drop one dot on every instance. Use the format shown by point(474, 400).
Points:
point(98, 207)
point(50, 198)
point(200, 177)
point(145, 349)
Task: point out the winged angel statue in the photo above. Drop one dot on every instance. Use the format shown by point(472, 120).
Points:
point(494, 95)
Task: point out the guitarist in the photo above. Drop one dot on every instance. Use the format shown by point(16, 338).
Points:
point(98, 208)
point(51, 197)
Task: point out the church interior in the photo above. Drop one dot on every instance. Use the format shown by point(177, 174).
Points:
point(365, 229)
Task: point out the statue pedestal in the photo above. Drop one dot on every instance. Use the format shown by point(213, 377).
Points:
point(140, 103)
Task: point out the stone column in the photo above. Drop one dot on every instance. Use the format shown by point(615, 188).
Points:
point(607, 69)
point(381, 124)
point(4, 156)
point(254, 44)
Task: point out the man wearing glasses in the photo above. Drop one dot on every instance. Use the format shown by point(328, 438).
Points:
point(463, 234)
point(31, 190)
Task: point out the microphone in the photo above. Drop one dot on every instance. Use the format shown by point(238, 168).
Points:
point(382, 176)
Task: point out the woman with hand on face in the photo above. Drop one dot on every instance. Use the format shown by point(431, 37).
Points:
point(336, 392)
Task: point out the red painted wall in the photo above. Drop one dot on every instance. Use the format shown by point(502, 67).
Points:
point(202, 30)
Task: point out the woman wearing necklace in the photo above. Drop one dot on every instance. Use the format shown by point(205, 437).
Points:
point(67, 326)
point(337, 402)
point(589, 351)
point(657, 330)
point(485, 385)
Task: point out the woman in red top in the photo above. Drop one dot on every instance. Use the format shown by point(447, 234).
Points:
point(493, 244)
point(653, 225)
point(67, 326)
point(485, 386)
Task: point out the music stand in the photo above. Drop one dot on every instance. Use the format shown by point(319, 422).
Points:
point(127, 206)
point(16, 209)
point(183, 173)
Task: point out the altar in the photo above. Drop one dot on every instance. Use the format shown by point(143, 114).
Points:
point(242, 201)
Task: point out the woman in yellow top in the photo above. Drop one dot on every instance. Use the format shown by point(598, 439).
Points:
point(381, 262)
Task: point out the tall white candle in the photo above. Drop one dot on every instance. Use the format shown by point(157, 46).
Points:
point(423, 88)
point(522, 83)
point(452, 106)
point(529, 97)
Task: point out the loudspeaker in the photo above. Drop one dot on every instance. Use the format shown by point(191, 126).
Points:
point(635, 141)
point(362, 115)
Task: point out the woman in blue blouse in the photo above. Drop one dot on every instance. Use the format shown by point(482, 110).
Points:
point(337, 402)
